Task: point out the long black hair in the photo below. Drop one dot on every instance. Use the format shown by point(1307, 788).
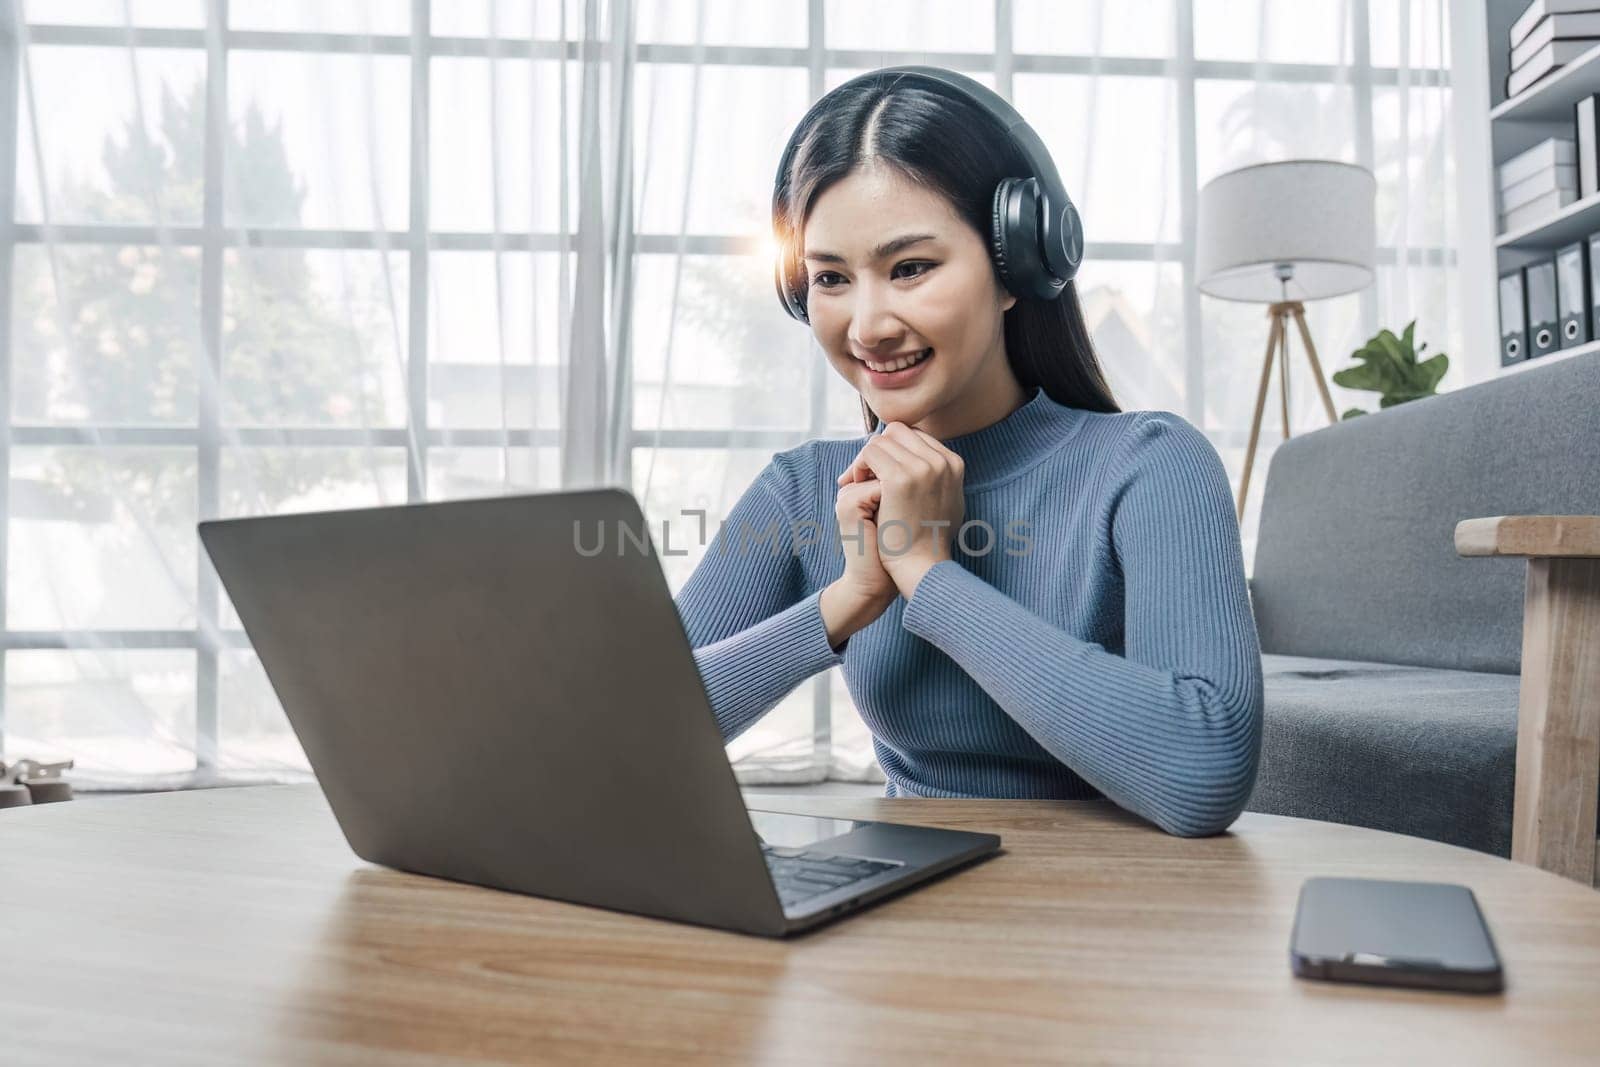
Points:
point(956, 149)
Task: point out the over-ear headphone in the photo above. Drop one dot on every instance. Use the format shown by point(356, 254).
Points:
point(1035, 234)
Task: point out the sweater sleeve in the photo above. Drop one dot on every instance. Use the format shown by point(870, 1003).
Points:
point(755, 630)
point(1171, 729)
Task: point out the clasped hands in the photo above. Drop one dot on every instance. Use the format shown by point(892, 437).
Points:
point(900, 504)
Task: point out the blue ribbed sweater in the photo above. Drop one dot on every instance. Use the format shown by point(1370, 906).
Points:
point(1117, 658)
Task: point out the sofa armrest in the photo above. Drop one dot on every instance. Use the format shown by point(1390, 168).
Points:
point(1558, 712)
point(1543, 536)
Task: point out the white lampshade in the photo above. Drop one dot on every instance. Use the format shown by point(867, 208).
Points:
point(1316, 215)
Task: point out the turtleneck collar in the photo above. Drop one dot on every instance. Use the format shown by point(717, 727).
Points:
point(1003, 448)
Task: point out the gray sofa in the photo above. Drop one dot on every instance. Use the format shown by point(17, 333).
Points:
point(1391, 662)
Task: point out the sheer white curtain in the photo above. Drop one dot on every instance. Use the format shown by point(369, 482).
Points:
point(266, 256)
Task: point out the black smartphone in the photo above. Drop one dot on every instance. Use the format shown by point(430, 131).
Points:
point(1430, 935)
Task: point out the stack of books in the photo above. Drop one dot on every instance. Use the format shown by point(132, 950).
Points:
point(1537, 183)
point(1549, 35)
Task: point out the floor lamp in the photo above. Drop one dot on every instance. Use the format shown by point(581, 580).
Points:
point(1281, 234)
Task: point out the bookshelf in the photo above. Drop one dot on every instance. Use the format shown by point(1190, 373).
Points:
point(1515, 125)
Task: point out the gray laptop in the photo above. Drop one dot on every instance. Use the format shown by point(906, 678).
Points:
point(485, 698)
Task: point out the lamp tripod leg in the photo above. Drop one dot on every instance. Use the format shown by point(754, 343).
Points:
point(1283, 368)
point(1273, 335)
point(1316, 365)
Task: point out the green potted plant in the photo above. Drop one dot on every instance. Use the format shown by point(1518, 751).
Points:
point(1389, 366)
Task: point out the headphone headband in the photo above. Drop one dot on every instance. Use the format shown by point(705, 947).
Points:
point(1036, 233)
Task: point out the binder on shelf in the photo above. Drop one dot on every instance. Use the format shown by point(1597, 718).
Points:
point(1572, 294)
point(1594, 286)
point(1540, 286)
point(1585, 115)
point(1513, 319)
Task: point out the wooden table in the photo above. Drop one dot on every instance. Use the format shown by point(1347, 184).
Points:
point(235, 925)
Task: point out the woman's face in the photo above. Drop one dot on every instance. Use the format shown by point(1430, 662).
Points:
point(894, 274)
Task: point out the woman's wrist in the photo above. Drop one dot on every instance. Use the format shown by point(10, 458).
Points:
point(909, 573)
point(844, 611)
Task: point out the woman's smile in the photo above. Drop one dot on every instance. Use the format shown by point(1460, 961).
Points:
point(898, 372)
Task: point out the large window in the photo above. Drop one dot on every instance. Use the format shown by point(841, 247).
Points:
point(262, 256)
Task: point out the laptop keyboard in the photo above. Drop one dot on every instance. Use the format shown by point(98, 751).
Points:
point(799, 876)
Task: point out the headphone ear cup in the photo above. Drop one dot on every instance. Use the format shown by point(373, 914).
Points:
point(1015, 239)
point(997, 233)
point(1071, 237)
point(1060, 241)
point(791, 293)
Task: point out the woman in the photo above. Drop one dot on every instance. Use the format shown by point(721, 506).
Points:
point(1057, 605)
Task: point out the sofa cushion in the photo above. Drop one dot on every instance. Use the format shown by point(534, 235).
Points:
point(1355, 555)
point(1415, 750)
